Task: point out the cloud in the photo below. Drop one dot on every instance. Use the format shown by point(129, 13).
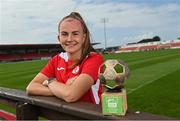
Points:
point(131, 14)
point(32, 21)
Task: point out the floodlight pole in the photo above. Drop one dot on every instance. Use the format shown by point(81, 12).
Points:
point(105, 20)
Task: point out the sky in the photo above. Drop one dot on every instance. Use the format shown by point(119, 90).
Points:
point(127, 21)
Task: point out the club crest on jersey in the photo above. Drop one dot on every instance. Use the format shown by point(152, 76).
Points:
point(75, 70)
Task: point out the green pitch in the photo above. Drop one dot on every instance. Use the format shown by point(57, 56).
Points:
point(153, 85)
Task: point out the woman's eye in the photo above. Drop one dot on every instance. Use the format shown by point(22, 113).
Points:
point(75, 34)
point(64, 34)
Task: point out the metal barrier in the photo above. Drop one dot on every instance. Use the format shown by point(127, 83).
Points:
point(52, 108)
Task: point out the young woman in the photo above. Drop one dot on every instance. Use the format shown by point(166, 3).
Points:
point(71, 75)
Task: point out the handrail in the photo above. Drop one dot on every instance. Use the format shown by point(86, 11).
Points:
point(31, 107)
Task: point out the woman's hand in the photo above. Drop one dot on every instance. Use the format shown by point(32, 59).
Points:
point(45, 83)
point(74, 88)
point(38, 86)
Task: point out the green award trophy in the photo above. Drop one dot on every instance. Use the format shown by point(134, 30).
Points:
point(112, 74)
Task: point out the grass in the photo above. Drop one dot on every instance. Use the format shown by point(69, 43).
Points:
point(159, 97)
point(19, 74)
point(153, 85)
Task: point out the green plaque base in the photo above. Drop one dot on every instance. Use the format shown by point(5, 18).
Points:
point(114, 103)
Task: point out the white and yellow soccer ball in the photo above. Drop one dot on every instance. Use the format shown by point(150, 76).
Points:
point(112, 73)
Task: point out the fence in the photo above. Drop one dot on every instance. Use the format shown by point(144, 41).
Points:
point(52, 108)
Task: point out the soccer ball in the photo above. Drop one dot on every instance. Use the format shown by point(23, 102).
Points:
point(112, 73)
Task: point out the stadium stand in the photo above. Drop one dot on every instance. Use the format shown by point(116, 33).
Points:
point(24, 52)
point(175, 44)
point(128, 49)
point(150, 46)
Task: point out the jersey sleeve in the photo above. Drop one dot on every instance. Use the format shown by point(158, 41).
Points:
point(91, 65)
point(49, 68)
